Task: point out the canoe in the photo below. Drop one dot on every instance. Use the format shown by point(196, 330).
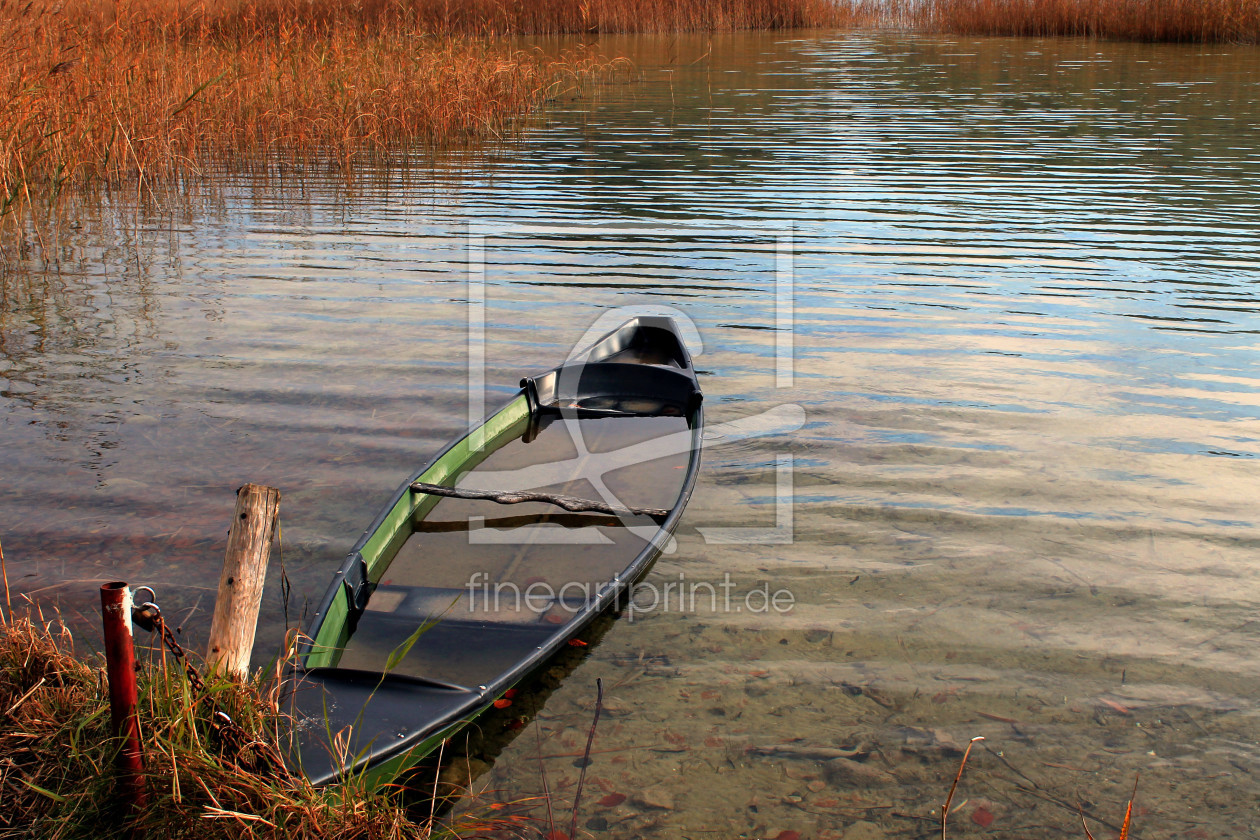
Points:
point(445, 603)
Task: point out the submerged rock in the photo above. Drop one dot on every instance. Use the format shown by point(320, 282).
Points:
point(845, 771)
point(658, 798)
point(816, 752)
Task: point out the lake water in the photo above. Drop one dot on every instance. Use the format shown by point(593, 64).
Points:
point(1012, 284)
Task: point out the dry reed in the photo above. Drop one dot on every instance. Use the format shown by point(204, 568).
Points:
point(1197, 21)
point(88, 96)
point(248, 18)
point(150, 90)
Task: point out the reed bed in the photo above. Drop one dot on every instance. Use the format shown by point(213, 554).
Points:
point(108, 91)
point(56, 759)
point(111, 92)
point(1194, 21)
point(200, 19)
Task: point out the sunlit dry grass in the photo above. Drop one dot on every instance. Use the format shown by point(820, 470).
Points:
point(111, 90)
point(500, 17)
point(89, 96)
point(1205, 21)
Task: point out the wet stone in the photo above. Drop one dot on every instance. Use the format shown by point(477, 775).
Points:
point(844, 771)
point(656, 798)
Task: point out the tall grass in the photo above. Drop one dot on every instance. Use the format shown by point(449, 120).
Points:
point(1199, 21)
point(56, 759)
point(114, 91)
point(234, 18)
point(111, 90)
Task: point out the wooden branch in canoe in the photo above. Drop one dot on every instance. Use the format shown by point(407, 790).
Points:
point(514, 497)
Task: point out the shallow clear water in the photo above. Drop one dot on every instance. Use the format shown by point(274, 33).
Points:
point(1023, 334)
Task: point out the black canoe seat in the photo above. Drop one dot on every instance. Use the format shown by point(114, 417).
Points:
point(640, 369)
point(612, 389)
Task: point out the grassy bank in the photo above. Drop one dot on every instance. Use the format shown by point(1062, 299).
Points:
point(1198, 21)
point(150, 90)
point(56, 758)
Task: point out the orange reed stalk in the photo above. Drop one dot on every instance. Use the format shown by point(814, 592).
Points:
point(149, 90)
point(234, 18)
point(103, 98)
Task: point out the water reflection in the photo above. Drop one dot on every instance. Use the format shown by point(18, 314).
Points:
point(1024, 338)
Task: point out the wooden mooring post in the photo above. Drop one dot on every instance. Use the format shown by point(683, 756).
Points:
point(241, 583)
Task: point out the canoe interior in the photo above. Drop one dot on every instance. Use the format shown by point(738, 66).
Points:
point(332, 625)
point(496, 581)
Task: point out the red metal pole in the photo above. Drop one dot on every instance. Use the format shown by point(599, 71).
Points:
point(120, 667)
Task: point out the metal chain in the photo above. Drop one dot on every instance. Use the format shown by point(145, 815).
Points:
point(149, 616)
point(237, 743)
